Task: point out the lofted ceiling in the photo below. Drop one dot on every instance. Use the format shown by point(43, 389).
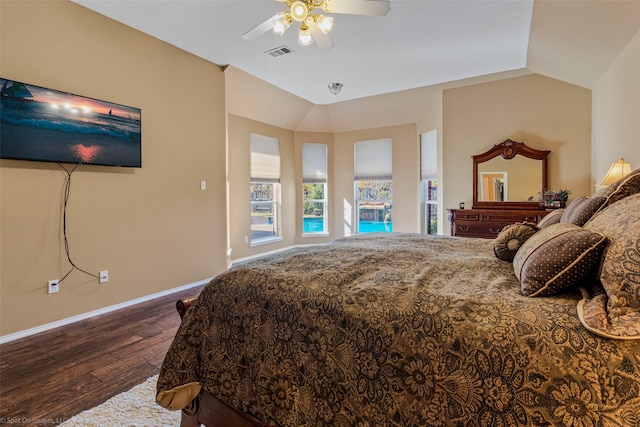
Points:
point(420, 43)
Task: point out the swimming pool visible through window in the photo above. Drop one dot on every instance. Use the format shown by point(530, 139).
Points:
point(314, 188)
point(373, 185)
point(265, 189)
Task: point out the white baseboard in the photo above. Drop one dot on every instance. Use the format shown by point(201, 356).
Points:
point(43, 328)
point(46, 327)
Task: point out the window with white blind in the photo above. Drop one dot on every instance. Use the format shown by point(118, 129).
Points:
point(265, 188)
point(314, 188)
point(373, 185)
point(429, 180)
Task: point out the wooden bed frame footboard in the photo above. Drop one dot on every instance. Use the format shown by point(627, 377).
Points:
point(208, 410)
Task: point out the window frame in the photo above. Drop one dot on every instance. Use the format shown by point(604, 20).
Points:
point(373, 163)
point(323, 202)
point(274, 203)
point(265, 169)
point(387, 210)
point(314, 172)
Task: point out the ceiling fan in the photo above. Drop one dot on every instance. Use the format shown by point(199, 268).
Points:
point(314, 26)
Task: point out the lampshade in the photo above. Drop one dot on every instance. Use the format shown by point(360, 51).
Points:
point(304, 36)
point(617, 170)
point(281, 23)
point(299, 11)
point(325, 23)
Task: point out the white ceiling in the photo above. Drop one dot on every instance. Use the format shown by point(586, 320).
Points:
point(419, 43)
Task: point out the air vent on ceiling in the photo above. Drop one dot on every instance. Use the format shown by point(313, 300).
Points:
point(279, 51)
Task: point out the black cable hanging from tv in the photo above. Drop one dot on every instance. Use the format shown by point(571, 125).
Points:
point(67, 192)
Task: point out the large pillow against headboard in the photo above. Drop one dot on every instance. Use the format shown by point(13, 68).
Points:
point(626, 186)
point(616, 313)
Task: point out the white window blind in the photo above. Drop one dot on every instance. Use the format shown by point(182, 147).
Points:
point(314, 163)
point(373, 160)
point(265, 158)
point(428, 155)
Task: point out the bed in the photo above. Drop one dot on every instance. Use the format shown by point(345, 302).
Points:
point(400, 329)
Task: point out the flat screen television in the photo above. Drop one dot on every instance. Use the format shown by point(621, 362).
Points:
point(47, 125)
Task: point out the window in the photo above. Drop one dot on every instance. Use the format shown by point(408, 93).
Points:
point(373, 186)
point(314, 188)
point(265, 189)
point(429, 180)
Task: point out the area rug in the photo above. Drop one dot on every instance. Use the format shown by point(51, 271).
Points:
point(135, 408)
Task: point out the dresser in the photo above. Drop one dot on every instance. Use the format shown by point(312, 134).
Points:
point(487, 223)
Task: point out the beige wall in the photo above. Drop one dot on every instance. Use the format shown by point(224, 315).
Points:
point(152, 228)
point(544, 113)
point(616, 113)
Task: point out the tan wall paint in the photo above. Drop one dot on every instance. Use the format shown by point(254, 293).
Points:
point(256, 99)
point(616, 113)
point(239, 133)
point(152, 228)
point(544, 113)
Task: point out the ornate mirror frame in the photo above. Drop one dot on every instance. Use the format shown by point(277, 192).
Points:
point(508, 150)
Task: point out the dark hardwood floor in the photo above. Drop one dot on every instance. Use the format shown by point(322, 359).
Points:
point(49, 377)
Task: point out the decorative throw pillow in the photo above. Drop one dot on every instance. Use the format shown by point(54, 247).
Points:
point(556, 258)
point(581, 209)
point(626, 186)
point(617, 314)
point(511, 238)
point(606, 191)
point(551, 218)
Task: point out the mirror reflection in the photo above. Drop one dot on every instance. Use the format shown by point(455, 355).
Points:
point(513, 180)
point(509, 175)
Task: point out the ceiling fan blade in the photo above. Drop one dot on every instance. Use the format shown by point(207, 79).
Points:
point(261, 29)
point(357, 7)
point(324, 41)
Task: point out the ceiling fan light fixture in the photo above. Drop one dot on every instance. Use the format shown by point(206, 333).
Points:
point(304, 36)
point(281, 23)
point(314, 27)
point(325, 23)
point(299, 11)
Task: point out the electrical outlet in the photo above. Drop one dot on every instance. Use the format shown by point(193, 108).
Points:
point(53, 286)
point(104, 276)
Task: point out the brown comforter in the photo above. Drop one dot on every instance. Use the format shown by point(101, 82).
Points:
point(397, 330)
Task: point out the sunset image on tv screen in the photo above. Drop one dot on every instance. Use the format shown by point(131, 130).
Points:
point(48, 125)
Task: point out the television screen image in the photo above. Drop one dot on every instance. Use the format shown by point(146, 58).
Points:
point(48, 125)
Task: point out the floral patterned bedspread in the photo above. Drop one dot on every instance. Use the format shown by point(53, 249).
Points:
point(399, 330)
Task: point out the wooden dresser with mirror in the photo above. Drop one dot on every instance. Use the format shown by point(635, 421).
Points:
point(507, 183)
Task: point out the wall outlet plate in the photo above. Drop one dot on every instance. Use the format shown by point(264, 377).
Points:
point(104, 276)
point(53, 286)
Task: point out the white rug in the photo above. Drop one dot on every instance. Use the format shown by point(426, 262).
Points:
point(136, 408)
